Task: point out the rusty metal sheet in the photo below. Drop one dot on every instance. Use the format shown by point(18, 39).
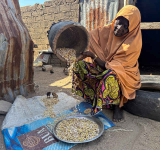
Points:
point(129, 2)
point(96, 13)
point(16, 52)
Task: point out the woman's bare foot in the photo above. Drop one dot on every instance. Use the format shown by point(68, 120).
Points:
point(117, 114)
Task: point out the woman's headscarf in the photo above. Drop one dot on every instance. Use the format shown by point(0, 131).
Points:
point(121, 53)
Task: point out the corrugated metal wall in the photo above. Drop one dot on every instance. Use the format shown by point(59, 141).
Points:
point(95, 13)
point(129, 2)
point(16, 52)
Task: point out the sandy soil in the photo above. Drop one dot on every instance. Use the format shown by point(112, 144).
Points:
point(135, 133)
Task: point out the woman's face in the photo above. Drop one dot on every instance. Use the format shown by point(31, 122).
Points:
point(121, 26)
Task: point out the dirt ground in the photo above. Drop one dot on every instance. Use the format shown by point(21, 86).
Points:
point(135, 133)
point(48, 82)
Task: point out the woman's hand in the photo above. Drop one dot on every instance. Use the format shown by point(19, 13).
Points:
point(85, 55)
point(92, 55)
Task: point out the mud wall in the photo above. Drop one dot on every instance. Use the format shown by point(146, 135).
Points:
point(39, 17)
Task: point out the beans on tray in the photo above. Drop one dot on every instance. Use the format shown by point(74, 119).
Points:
point(77, 130)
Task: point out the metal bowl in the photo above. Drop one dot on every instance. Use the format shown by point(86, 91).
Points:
point(94, 119)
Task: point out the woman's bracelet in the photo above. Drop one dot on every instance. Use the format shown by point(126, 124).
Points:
point(95, 56)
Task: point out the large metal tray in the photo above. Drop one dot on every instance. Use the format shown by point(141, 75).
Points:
point(97, 121)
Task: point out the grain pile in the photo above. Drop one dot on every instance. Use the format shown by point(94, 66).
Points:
point(77, 130)
point(59, 117)
point(49, 103)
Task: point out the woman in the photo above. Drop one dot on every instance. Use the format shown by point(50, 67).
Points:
point(113, 76)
